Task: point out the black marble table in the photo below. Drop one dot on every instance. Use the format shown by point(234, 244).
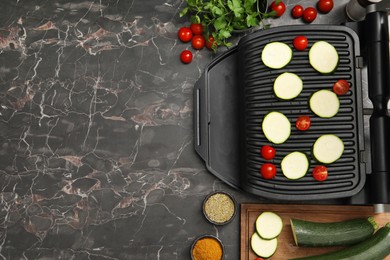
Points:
point(96, 134)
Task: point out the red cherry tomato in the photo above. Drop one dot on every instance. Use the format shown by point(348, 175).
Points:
point(196, 28)
point(320, 173)
point(198, 42)
point(309, 14)
point(268, 170)
point(297, 11)
point(325, 6)
point(210, 43)
point(268, 152)
point(300, 43)
point(186, 56)
point(278, 8)
point(341, 87)
point(185, 34)
point(303, 123)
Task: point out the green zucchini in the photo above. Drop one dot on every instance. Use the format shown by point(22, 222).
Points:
point(374, 248)
point(342, 233)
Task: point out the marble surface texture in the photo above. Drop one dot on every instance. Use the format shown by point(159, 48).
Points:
point(96, 138)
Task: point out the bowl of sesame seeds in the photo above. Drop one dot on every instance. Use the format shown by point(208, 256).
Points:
point(219, 207)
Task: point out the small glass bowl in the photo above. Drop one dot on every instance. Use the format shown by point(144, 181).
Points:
point(207, 236)
point(229, 199)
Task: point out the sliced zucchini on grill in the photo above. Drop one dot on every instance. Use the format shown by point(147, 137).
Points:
point(328, 148)
point(276, 127)
point(295, 165)
point(323, 57)
point(276, 55)
point(324, 103)
point(288, 86)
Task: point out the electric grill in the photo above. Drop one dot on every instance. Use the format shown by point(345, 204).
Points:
point(235, 92)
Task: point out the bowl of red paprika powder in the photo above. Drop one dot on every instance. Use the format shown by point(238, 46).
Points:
point(207, 247)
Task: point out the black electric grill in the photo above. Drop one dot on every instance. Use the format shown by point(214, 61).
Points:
point(235, 93)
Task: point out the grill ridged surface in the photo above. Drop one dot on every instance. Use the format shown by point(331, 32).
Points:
point(346, 175)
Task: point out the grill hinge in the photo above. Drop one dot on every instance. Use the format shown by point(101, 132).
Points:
point(359, 62)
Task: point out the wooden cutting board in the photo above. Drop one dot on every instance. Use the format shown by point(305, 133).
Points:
point(286, 246)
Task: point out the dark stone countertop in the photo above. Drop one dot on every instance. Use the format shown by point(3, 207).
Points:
point(96, 138)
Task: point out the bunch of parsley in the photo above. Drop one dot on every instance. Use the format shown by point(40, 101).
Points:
point(220, 18)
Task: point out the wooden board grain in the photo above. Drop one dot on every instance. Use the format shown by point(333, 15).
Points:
point(286, 246)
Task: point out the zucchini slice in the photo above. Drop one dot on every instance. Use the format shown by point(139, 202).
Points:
point(263, 247)
point(269, 225)
point(276, 127)
point(324, 103)
point(328, 148)
point(375, 247)
point(295, 165)
point(323, 57)
point(288, 86)
point(313, 234)
point(276, 55)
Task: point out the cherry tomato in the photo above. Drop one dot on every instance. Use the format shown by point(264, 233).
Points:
point(210, 43)
point(309, 14)
point(268, 170)
point(297, 11)
point(325, 6)
point(196, 28)
point(300, 43)
point(279, 8)
point(185, 34)
point(303, 123)
point(186, 56)
point(341, 87)
point(320, 173)
point(198, 42)
point(268, 152)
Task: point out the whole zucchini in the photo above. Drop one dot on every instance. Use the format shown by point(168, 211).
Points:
point(374, 248)
point(342, 233)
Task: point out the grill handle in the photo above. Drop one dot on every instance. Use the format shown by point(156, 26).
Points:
point(200, 118)
point(379, 92)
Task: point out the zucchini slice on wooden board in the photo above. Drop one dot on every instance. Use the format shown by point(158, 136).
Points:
point(268, 225)
point(328, 148)
point(263, 247)
point(288, 86)
point(276, 55)
point(295, 165)
point(324, 103)
point(375, 247)
point(312, 234)
point(323, 57)
point(276, 127)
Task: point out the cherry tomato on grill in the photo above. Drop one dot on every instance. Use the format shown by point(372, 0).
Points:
point(198, 42)
point(341, 87)
point(300, 43)
point(186, 56)
point(325, 6)
point(185, 34)
point(268, 170)
point(303, 123)
point(279, 8)
point(309, 14)
point(196, 28)
point(268, 152)
point(297, 11)
point(210, 43)
point(320, 173)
